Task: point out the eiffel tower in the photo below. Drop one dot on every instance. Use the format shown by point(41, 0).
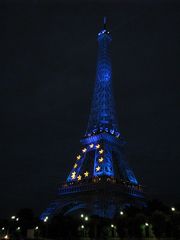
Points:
point(101, 181)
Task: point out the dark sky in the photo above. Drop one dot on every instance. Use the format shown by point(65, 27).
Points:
point(47, 72)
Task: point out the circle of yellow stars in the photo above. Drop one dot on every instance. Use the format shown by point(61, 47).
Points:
point(78, 157)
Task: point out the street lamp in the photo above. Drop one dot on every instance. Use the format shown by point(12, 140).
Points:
point(146, 224)
point(18, 228)
point(2, 228)
point(121, 213)
point(83, 230)
point(82, 215)
point(36, 228)
point(13, 217)
point(112, 225)
point(86, 218)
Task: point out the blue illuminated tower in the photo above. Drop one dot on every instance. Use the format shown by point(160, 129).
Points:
point(101, 181)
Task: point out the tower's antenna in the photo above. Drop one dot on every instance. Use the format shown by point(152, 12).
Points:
point(105, 22)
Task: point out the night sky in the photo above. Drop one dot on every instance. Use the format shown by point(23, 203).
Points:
point(47, 71)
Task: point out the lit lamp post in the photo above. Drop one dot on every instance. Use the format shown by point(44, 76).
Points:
point(11, 228)
point(146, 229)
point(2, 232)
point(82, 227)
point(46, 226)
point(18, 229)
point(37, 232)
point(113, 230)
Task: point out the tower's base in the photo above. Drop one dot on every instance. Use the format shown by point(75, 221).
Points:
point(102, 196)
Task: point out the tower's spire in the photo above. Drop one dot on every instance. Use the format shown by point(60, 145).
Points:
point(105, 22)
point(103, 115)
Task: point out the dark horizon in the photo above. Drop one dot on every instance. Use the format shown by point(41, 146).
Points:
point(48, 67)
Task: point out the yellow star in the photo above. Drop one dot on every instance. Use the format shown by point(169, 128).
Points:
point(98, 146)
point(84, 150)
point(78, 157)
point(75, 165)
point(101, 159)
point(79, 177)
point(98, 168)
point(101, 151)
point(73, 175)
point(86, 174)
point(91, 145)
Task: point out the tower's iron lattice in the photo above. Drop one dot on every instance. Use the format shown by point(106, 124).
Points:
point(101, 181)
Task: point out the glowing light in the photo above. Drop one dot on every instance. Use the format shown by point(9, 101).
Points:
point(117, 135)
point(46, 219)
point(82, 226)
point(101, 151)
point(146, 224)
point(6, 236)
point(86, 218)
point(18, 228)
point(95, 130)
point(79, 178)
point(84, 150)
point(75, 165)
point(98, 168)
point(98, 146)
point(78, 157)
point(112, 225)
point(73, 175)
point(121, 213)
point(36, 228)
point(82, 215)
point(173, 209)
point(86, 174)
point(2, 228)
point(13, 217)
point(112, 131)
point(101, 159)
point(91, 145)
point(17, 219)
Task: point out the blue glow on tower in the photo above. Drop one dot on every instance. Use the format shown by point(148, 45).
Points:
point(103, 114)
point(102, 127)
point(100, 166)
